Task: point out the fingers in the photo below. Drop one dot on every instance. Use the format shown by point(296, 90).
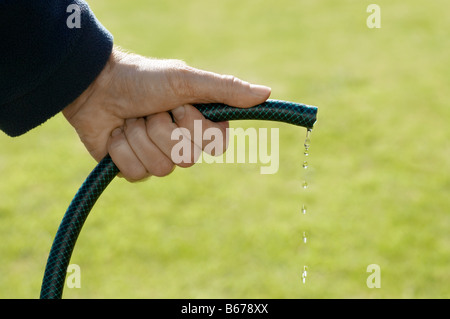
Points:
point(166, 135)
point(201, 129)
point(123, 156)
point(162, 85)
point(145, 147)
point(152, 158)
point(192, 85)
point(133, 86)
point(135, 154)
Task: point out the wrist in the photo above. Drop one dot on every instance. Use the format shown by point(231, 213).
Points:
point(97, 88)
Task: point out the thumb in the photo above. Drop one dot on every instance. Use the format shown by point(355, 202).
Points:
point(197, 86)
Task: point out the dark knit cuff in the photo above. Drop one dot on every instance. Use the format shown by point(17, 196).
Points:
point(79, 69)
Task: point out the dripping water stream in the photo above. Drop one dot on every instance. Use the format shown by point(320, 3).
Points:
point(305, 185)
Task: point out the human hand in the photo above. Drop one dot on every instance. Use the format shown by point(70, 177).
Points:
point(124, 112)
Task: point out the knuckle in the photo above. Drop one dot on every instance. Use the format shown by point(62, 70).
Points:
point(231, 82)
point(178, 77)
point(131, 172)
point(194, 156)
point(232, 85)
point(133, 129)
point(163, 168)
point(187, 164)
point(136, 175)
point(154, 121)
point(116, 142)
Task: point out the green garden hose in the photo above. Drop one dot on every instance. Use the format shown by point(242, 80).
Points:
point(106, 170)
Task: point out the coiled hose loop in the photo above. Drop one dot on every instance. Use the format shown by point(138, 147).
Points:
point(97, 181)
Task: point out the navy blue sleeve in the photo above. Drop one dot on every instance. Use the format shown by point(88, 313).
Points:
point(49, 54)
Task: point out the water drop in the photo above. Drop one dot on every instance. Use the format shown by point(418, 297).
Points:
point(305, 184)
point(307, 143)
point(303, 209)
point(305, 237)
point(304, 273)
point(305, 164)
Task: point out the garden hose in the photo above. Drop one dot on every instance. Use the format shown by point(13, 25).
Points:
point(106, 170)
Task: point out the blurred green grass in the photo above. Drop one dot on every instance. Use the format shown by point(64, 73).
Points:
point(380, 158)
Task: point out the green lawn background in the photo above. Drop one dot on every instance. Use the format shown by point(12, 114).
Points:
point(379, 164)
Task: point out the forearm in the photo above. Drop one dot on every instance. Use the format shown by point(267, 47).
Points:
point(45, 64)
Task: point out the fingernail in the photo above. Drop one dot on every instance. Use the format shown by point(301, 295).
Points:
point(178, 113)
point(116, 132)
point(260, 90)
